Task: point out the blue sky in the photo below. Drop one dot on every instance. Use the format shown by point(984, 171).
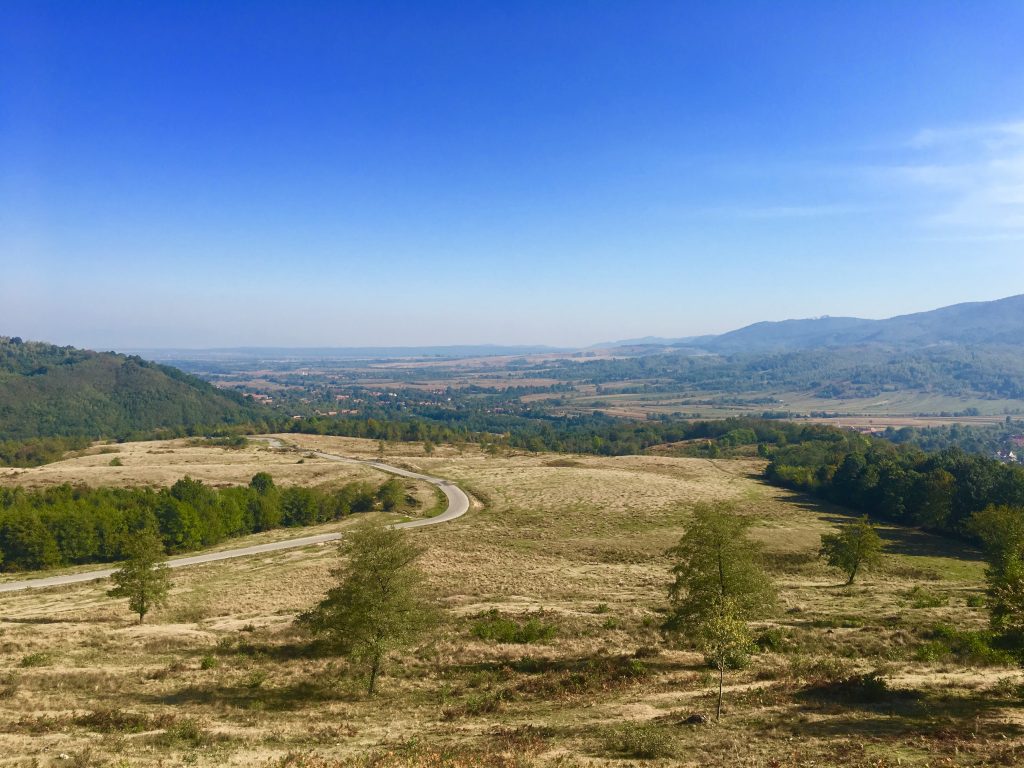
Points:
point(216, 174)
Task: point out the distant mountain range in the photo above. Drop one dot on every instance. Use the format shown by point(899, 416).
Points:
point(986, 323)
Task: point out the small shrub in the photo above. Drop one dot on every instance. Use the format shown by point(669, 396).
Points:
point(186, 731)
point(9, 684)
point(646, 652)
point(256, 679)
point(642, 741)
point(118, 721)
point(604, 673)
point(866, 688)
point(37, 659)
point(496, 628)
point(209, 661)
point(602, 608)
point(116, 462)
point(922, 598)
point(818, 670)
point(772, 639)
point(975, 600)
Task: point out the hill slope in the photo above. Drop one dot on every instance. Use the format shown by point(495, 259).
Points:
point(984, 322)
point(48, 391)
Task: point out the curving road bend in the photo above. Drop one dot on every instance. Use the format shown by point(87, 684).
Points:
point(458, 505)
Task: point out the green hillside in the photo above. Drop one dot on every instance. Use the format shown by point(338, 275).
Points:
point(48, 391)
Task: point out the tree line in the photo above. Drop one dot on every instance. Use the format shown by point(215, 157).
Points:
point(939, 491)
point(68, 525)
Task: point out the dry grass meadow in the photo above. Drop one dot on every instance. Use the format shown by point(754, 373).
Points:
point(221, 677)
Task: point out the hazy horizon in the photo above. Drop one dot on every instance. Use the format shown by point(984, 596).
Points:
point(399, 175)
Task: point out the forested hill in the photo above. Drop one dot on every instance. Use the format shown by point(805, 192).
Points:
point(48, 391)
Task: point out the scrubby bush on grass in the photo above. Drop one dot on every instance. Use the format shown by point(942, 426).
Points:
point(771, 639)
point(922, 598)
point(946, 642)
point(186, 731)
point(604, 673)
point(975, 601)
point(115, 720)
point(642, 741)
point(496, 628)
point(861, 688)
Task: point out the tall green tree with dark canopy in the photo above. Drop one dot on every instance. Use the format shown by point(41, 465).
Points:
point(857, 547)
point(1001, 530)
point(377, 606)
point(719, 587)
point(144, 578)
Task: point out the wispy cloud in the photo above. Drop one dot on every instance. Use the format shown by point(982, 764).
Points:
point(974, 176)
point(778, 212)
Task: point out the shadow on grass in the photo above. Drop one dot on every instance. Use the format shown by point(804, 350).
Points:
point(294, 696)
point(910, 714)
point(899, 539)
point(292, 651)
point(611, 664)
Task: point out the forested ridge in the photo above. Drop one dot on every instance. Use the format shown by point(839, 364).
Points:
point(48, 391)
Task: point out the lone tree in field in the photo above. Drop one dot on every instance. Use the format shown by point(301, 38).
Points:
point(857, 547)
point(725, 640)
point(719, 587)
point(144, 578)
point(377, 606)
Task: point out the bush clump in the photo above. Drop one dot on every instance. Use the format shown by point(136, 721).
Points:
point(946, 642)
point(494, 627)
point(860, 688)
point(642, 741)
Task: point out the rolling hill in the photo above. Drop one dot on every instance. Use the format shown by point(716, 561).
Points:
point(982, 323)
point(51, 391)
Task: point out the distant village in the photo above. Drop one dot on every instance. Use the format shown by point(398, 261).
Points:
point(1014, 453)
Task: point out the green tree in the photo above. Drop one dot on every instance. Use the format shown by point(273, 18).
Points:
point(144, 578)
point(857, 547)
point(715, 562)
point(1001, 530)
point(719, 587)
point(262, 483)
point(377, 606)
point(724, 639)
point(392, 495)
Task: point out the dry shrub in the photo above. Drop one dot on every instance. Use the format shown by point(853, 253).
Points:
point(115, 720)
point(643, 741)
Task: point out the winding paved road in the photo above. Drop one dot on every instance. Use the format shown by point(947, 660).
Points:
point(458, 505)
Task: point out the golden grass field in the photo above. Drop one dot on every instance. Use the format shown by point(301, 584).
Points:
point(222, 677)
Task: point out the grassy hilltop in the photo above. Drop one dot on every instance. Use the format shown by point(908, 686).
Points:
point(552, 589)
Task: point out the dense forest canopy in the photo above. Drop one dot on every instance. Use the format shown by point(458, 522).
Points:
point(50, 391)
